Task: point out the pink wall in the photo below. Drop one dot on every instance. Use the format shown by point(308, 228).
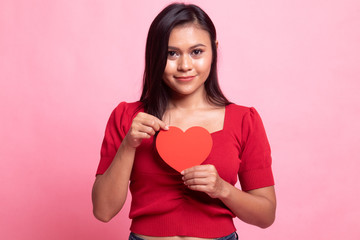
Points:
point(64, 65)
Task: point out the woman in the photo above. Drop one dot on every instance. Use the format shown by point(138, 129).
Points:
point(181, 89)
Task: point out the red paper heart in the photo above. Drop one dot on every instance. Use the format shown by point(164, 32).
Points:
point(183, 150)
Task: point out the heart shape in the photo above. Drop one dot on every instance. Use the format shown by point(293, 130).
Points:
point(181, 150)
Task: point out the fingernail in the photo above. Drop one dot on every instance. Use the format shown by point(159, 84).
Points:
point(166, 127)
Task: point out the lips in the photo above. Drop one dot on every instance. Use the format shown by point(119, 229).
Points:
point(185, 78)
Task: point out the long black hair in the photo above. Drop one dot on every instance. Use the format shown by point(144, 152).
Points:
point(155, 94)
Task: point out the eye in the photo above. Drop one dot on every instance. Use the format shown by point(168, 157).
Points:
point(197, 52)
point(172, 54)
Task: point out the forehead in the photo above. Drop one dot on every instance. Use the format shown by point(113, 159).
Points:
point(189, 35)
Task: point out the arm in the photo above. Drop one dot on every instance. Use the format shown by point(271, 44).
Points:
point(110, 189)
point(256, 207)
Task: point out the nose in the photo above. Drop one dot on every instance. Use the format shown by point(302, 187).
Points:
point(185, 63)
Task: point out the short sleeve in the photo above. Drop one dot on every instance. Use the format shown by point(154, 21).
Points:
point(115, 132)
point(255, 168)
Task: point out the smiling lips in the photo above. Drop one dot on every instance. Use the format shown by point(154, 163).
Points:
point(185, 78)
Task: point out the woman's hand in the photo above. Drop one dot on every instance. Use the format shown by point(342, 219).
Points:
point(204, 178)
point(142, 127)
point(256, 207)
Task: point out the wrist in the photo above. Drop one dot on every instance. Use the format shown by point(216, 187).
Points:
point(126, 146)
point(130, 143)
point(225, 190)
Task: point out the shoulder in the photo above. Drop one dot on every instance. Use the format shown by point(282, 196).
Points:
point(243, 119)
point(247, 126)
point(124, 112)
point(128, 108)
point(238, 111)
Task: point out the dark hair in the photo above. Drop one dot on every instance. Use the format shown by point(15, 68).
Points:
point(156, 93)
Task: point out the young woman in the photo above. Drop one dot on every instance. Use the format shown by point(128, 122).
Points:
point(181, 89)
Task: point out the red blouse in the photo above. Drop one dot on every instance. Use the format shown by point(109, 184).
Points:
point(161, 204)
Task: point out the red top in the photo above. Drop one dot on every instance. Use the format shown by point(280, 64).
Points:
point(161, 204)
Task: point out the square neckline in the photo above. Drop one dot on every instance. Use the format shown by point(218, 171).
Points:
point(225, 120)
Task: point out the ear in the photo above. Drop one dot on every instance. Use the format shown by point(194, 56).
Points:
point(217, 44)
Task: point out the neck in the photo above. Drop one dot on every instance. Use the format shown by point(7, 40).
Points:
point(193, 101)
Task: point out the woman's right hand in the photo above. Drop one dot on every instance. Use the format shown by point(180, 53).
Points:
point(110, 189)
point(142, 127)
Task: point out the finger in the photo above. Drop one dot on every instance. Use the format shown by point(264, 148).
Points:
point(146, 120)
point(134, 134)
point(153, 122)
point(163, 125)
point(195, 174)
point(158, 124)
point(196, 181)
point(200, 188)
point(146, 129)
point(207, 167)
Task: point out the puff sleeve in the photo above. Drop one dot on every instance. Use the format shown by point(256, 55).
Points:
point(255, 168)
point(115, 132)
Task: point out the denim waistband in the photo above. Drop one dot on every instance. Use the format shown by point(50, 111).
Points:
point(232, 236)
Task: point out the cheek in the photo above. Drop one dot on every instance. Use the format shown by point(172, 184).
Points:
point(203, 65)
point(168, 72)
point(170, 67)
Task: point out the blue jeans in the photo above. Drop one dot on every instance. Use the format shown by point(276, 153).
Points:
point(232, 236)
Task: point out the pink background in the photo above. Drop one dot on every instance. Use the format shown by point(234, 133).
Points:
point(64, 65)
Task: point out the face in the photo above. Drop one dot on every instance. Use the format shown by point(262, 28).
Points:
point(189, 60)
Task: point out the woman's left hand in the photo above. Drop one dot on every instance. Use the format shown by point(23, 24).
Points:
point(204, 178)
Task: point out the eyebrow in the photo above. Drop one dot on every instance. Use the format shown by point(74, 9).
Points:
point(192, 47)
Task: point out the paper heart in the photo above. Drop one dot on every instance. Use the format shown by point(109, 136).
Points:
point(182, 150)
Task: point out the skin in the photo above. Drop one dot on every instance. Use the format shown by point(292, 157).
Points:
point(189, 54)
